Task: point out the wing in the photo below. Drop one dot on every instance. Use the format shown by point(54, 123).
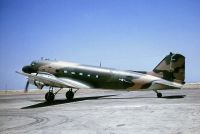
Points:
point(53, 81)
point(163, 85)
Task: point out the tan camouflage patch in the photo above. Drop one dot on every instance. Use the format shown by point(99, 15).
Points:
point(171, 68)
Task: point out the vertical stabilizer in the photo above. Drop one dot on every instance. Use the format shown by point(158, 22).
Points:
point(171, 68)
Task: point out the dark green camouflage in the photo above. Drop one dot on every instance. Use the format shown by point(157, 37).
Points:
point(171, 68)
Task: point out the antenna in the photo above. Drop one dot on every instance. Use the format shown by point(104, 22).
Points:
point(100, 64)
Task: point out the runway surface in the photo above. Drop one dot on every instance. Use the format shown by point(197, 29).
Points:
point(103, 112)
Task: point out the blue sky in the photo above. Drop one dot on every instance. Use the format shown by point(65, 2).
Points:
point(124, 34)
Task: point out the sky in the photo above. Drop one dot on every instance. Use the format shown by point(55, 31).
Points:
point(123, 34)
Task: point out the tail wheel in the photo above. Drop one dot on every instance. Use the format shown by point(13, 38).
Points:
point(70, 95)
point(159, 95)
point(49, 97)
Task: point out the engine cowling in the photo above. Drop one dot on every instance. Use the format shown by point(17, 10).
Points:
point(38, 84)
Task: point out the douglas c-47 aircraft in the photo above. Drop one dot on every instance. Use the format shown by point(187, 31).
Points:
point(168, 74)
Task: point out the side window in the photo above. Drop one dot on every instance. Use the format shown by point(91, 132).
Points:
point(65, 71)
point(73, 73)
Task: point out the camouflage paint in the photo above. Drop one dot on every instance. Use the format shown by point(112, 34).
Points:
point(171, 68)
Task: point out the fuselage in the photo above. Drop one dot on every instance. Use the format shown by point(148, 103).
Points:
point(93, 76)
point(168, 74)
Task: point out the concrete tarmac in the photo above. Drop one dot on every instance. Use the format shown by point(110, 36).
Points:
point(103, 112)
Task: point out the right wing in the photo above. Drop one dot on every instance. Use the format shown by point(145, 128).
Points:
point(53, 81)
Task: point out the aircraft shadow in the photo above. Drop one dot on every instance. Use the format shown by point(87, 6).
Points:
point(144, 97)
point(57, 102)
point(174, 97)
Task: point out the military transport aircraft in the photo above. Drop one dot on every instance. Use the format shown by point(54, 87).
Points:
point(168, 74)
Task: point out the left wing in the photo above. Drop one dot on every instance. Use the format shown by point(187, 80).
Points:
point(53, 81)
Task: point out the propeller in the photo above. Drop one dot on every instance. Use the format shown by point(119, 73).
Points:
point(26, 87)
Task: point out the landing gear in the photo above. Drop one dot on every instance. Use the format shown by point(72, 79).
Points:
point(70, 95)
point(49, 96)
point(159, 95)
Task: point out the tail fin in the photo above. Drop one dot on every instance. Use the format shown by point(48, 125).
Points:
point(171, 68)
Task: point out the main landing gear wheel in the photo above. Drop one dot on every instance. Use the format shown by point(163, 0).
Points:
point(159, 95)
point(49, 96)
point(70, 95)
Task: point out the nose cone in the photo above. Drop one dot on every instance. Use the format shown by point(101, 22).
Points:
point(27, 69)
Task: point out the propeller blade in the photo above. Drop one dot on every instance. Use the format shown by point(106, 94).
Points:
point(26, 88)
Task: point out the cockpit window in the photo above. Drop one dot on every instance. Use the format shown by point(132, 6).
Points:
point(33, 64)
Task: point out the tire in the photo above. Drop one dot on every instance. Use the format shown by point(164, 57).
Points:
point(49, 97)
point(69, 95)
point(159, 95)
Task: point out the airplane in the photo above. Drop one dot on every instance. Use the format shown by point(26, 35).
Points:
point(168, 74)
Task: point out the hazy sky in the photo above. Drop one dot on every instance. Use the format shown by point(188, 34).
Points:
point(124, 34)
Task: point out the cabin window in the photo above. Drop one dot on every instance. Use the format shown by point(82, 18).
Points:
point(65, 71)
point(80, 74)
point(88, 75)
point(97, 76)
point(73, 73)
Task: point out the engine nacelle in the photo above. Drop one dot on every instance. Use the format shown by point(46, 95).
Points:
point(38, 84)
